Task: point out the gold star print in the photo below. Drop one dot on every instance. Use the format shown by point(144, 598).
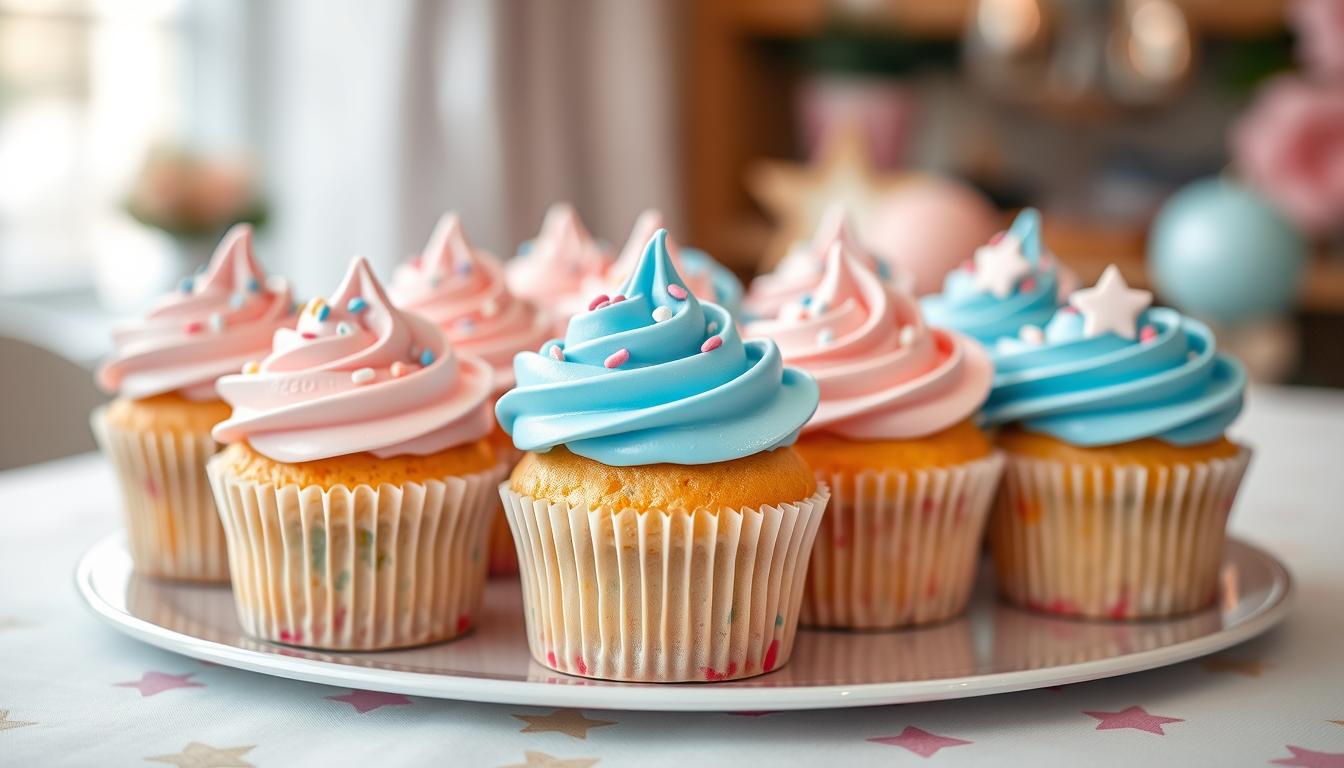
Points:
point(6, 723)
point(569, 721)
point(9, 622)
point(543, 760)
point(1338, 722)
point(1247, 667)
point(798, 195)
point(198, 755)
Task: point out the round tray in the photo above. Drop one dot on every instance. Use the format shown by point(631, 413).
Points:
point(992, 649)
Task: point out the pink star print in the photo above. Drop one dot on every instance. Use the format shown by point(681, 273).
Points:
point(158, 682)
point(1306, 758)
point(366, 701)
point(919, 741)
point(1132, 717)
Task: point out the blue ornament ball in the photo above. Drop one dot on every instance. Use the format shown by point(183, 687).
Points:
point(1218, 251)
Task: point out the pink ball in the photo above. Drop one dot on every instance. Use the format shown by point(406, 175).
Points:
point(928, 227)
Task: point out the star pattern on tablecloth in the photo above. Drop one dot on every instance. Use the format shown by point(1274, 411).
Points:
point(367, 701)
point(1336, 722)
point(1247, 667)
point(6, 723)
point(1132, 717)
point(198, 755)
point(567, 721)
point(1307, 758)
point(919, 741)
point(11, 622)
point(153, 683)
point(1111, 305)
point(543, 760)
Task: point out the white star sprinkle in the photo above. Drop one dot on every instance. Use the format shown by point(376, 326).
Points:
point(998, 266)
point(1111, 305)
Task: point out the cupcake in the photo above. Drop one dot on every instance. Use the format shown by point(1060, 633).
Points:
point(462, 290)
point(1012, 286)
point(1119, 477)
point(911, 476)
point(157, 431)
point(356, 492)
point(706, 278)
point(555, 270)
point(801, 268)
point(662, 520)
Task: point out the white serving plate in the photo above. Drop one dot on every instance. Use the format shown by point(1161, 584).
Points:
point(992, 649)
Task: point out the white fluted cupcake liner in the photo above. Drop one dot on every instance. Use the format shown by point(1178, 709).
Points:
point(357, 568)
point(1126, 542)
point(662, 596)
point(899, 548)
point(171, 525)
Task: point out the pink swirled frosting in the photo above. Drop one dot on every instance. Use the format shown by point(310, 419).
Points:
point(358, 375)
point(462, 290)
point(798, 272)
point(555, 269)
point(217, 322)
point(883, 374)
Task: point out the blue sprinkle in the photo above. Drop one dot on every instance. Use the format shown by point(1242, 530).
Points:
point(323, 312)
point(252, 285)
point(426, 357)
point(463, 267)
point(187, 284)
point(356, 305)
point(236, 300)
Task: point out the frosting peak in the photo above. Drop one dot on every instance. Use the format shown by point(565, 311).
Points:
point(462, 289)
point(357, 375)
point(558, 261)
point(703, 276)
point(656, 376)
point(213, 325)
point(883, 374)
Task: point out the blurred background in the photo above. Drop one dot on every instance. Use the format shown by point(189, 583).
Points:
point(1198, 144)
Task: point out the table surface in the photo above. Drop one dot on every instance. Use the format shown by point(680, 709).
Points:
point(76, 692)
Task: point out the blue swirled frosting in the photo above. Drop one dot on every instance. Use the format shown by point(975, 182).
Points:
point(965, 307)
point(669, 402)
point(1106, 390)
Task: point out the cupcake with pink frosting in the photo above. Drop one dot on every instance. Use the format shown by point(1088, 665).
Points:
point(556, 270)
point(356, 492)
point(800, 269)
point(894, 436)
point(462, 290)
point(157, 431)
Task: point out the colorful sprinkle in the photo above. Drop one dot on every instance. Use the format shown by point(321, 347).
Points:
point(824, 336)
point(998, 237)
point(676, 292)
point(186, 285)
point(1032, 334)
point(344, 329)
point(399, 369)
point(463, 267)
point(662, 314)
point(968, 265)
point(818, 307)
point(252, 285)
point(713, 327)
point(362, 376)
point(598, 301)
point(237, 300)
point(1148, 333)
point(618, 358)
point(906, 335)
point(466, 325)
point(489, 308)
point(251, 367)
point(309, 335)
point(323, 312)
point(435, 279)
point(618, 298)
point(356, 304)
point(557, 353)
point(217, 322)
point(603, 305)
point(1028, 284)
point(711, 344)
point(426, 357)
point(195, 326)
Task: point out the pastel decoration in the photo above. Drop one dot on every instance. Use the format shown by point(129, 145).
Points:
point(1218, 251)
point(928, 226)
point(1110, 306)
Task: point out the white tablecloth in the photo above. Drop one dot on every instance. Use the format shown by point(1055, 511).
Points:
point(75, 692)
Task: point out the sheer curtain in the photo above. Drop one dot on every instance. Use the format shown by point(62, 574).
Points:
point(375, 118)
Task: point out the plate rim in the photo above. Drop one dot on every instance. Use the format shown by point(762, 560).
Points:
point(678, 697)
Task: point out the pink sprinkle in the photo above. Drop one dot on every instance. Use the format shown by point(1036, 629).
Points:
point(676, 292)
point(598, 301)
point(1069, 310)
point(1148, 333)
point(617, 358)
point(968, 265)
point(1043, 260)
point(398, 369)
point(603, 305)
point(997, 238)
point(196, 326)
point(309, 335)
point(557, 353)
point(1029, 284)
point(711, 344)
point(618, 298)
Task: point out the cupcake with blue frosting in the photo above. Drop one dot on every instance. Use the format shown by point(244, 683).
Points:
point(1011, 286)
point(662, 519)
point(1120, 476)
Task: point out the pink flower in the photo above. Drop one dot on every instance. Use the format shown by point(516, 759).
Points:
point(1320, 29)
point(1290, 146)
